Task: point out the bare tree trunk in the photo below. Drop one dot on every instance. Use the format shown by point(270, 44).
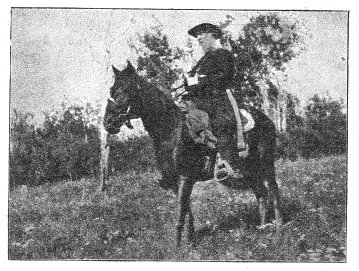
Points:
point(103, 55)
point(284, 115)
point(105, 153)
point(265, 105)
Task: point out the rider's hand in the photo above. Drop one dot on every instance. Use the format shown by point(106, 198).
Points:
point(192, 80)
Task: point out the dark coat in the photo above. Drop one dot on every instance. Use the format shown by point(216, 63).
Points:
point(216, 71)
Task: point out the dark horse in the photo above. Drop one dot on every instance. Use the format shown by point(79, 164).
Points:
point(178, 157)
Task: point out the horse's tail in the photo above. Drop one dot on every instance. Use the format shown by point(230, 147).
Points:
point(262, 122)
point(262, 138)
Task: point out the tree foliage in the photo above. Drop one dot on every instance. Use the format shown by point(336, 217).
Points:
point(22, 142)
point(322, 131)
point(326, 120)
point(156, 58)
point(264, 46)
point(66, 146)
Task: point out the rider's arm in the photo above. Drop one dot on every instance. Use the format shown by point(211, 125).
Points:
point(218, 72)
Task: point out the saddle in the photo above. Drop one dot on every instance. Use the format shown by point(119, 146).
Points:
point(199, 127)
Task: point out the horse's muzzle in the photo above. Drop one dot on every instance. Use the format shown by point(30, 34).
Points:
point(113, 124)
point(114, 118)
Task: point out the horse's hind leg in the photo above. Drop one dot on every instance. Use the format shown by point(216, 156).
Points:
point(273, 196)
point(261, 194)
point(267, 173)
point(184, 202)
point(191, 231)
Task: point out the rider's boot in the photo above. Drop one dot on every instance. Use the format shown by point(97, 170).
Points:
point(228, 166)
point(208, 141)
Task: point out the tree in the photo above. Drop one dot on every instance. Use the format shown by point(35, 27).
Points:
point(264, 46)
point(291, 141)
point(22, 140)
point(65, 146)
point(156, 59)
point(326, 119)
point(103, 33)
point(75, 147)
point(294, 120)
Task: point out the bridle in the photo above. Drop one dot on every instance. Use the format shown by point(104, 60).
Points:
point(125, 116)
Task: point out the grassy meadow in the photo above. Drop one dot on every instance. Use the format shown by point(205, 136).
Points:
point(135, 220)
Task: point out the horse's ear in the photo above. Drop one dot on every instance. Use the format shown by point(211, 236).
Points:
point(130, 67)
point(116, 71)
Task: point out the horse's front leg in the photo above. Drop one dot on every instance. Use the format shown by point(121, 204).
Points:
point(262, 205)
point(191, 231)
point(184, 207)
point(261, 194)
point(274, 198)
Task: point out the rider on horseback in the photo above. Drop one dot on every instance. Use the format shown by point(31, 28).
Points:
point(207, 85)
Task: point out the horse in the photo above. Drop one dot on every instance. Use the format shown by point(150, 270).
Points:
point(179, 159)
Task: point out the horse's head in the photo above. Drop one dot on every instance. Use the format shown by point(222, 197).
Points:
point(118, 109)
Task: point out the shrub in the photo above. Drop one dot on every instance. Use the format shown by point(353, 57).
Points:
point(66, 146)
point(135, 154)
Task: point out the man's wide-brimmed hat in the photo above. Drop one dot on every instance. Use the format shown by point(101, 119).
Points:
point(206, 28)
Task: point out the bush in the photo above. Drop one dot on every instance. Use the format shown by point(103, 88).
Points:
point(287, 147)
point(135, 154)
point(327, 124)
point(323, 131)
point(66, 146)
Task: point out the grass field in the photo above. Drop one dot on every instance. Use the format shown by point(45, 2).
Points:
point(136, 220)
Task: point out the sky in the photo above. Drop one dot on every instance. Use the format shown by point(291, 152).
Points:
point(59, 54)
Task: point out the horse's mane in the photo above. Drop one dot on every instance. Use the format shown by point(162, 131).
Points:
point(160, 96)
point(160, 110)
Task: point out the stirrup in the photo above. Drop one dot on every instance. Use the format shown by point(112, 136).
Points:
point(222, 167)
